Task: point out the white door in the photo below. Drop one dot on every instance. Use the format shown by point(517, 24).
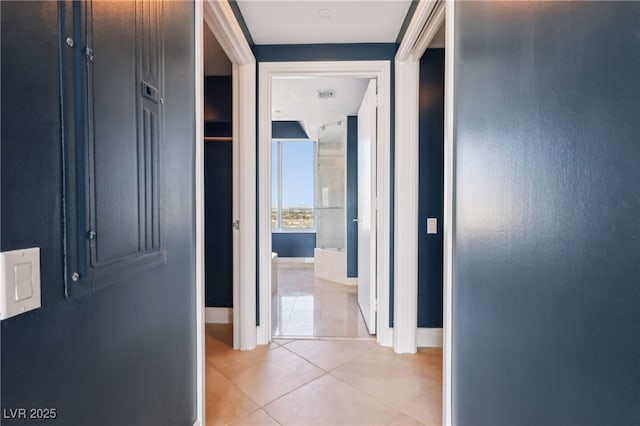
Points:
point(367, 142)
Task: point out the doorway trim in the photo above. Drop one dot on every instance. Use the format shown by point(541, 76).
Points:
point(201, 390)
point(426, 21)
point(220, 18)
point(381, 70)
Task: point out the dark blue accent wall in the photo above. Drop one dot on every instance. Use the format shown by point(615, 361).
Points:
point(352, 196)
point(124, 354)
point(293, 244)
point(218, 216)
point(324, 52)
point(218, 197)
point(431, 187)
point(218, 98)
point(287, 130)
point(546, 290)
point(218, 106)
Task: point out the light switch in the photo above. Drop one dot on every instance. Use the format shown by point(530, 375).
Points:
point(24, 281)
point(432, 225)
point(19, 281)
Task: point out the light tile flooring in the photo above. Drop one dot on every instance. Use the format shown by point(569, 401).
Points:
point(305, 306)
point(320, 382)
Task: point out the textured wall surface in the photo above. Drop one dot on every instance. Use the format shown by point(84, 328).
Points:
point(124, 354)
point(547, 242)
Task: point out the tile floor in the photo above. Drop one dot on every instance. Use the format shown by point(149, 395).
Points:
point(305, 306)
point(320, 382)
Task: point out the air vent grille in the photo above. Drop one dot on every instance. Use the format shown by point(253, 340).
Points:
point(326, 95)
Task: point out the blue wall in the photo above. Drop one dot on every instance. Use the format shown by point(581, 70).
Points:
point(218, 198)
point(293, 244)
point(324, 52)
point(124, 354)
point(546, 291)
point(431, 189)
point(287, 130)
point(218, 216)
point(217, 105)
point(218, 97)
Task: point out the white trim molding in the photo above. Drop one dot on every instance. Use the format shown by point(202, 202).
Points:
point(218, 315)
point(220, 18)
point(199, 213)
point(429, 337)
point(381, 70)
point(425, 23)
point(294, 261)
point(449, 212)
point(406, 206)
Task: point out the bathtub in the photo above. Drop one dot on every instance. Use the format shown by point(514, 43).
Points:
point(331, 264)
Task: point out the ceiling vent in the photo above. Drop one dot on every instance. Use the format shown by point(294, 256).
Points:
point(326, 95)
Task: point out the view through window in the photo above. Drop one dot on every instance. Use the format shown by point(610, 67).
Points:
point(292, 168)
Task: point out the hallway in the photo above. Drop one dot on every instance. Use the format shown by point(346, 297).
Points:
point(320, 382)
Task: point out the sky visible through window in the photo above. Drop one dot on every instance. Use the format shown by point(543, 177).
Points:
point(297, 184)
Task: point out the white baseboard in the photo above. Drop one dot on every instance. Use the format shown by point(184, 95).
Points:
point(197, 423)
point(351, 281)
point(295, 260)
point(429, 337)
point(218, 315)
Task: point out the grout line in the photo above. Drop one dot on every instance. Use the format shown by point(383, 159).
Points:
point(305, 359)
point(239, 390)
point(385, 403)
point(324, 373)
point(337, 366)
point(269, 415)
point(251, 412)
point(236, 387)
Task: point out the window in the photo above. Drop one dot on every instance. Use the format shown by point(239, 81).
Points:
point(292, 184)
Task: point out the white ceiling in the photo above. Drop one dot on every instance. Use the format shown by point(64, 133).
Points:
point(299, 21)
point(297, 99)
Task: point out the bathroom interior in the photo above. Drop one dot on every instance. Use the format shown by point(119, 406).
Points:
point(314, 207)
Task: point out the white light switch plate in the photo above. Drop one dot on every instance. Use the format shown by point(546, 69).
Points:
point(19, 281)
point(432, 225)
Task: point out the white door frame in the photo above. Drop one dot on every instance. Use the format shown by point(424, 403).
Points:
point(427, 19)
point(219, 17)
point(363, 69)
point(199, 206)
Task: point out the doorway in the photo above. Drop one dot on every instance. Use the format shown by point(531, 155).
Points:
point(218, 180)
point(325, 214)
point(323, 134)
